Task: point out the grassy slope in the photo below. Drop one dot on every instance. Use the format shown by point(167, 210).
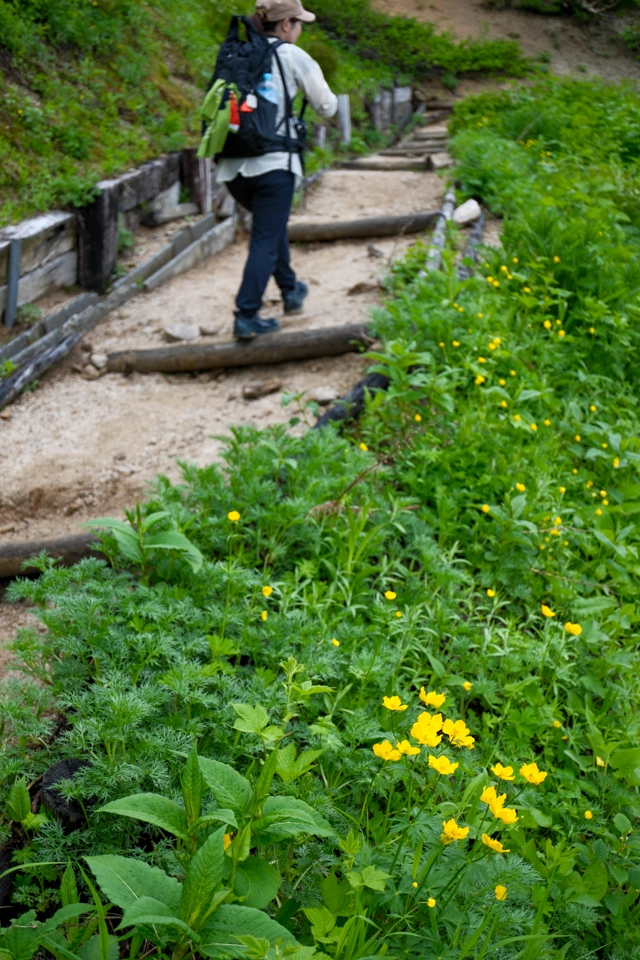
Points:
point(89, 89)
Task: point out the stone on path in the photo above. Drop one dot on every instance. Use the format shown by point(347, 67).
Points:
point(180, 331)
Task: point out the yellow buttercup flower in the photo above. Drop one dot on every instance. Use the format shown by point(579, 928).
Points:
point(493, 844)
point(394, 703)
point(431, 902)
point(226, 841)
point(267, 591)
point(363, 446)
point(557, 724)
point(415, 884)
point(455, 343)
point(385, 751)
point(467, 685)
point(442, 765)
point(527, 289)
point(547, 324)
point(517, 418)
point(233, 516)
point(520, 487)
point(556, 259)
point(452, 832)
point(264, 615)
point(561, 333)
point(432, 699)
point(491, 593)
point(534, 426)
point(562, 489)
point(441, 344)
point(512, 373)
point(598, 512)
point(458, 733)
point(547, 422)
point(406, 749)
point(504, 404)
point(506, 814)
point(398, 614)
point(500, 892)
point(588, 815)
point(573, 628)
point(485, 508)
point(578, 437)
point(479, 380)
point(389, 595)
point(531, 773)
point(502, 382)
point(504, 773)
point(426, 729)
point(592, 407)
point(547, 611)
point(336, 643)
point(417, 417)
point(616, 461)
point(488, 795)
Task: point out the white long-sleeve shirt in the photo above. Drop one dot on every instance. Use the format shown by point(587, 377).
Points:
point(301, 73)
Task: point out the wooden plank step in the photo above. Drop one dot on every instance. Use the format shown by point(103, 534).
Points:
point(382, 164)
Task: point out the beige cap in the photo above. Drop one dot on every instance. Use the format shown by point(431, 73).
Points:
point(275, 10)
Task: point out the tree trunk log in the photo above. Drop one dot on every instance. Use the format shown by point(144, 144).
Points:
point(68, 549)
point(265, 349)
point(357, 229)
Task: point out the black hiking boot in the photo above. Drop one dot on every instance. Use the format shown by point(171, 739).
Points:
point(293, 301)
point(246, 328)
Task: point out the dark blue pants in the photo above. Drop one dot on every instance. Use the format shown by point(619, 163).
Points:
point(268, 197)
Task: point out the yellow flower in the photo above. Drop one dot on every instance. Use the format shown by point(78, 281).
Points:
point(502, 382)
point(531, 773)
point(517, 418)
point(491, 593)
point(578, 437)
point(520, 487)
point(598, 512)
point(480, 316)
point(603, 493)
point(547, 324)
point(385, 751)
point(467, 685)
point(605, 503)
point(600, 762)
point(604, 445)
point(616, 461)
point(500, 892)
point(588, 815)
point(496, 283)
point(489, 795)
point(432, 699)
point(562, 489)
point(504, 268)
point(512, 373)
point(504, 773)
point(506, 814)
point(485, 508)
point(573, 628)
point(592, 407)
point(556, 259)
point(479, 380)
point(515, 260)
point(226, 840)
point(504, 404)
point(418, 418)
point(267, 591)
point(414, 884)
point(547, 611)
point(493, 844)
point(430, 902)
point(394, 703)
point(264, 615)
point(406, 749)
point(547, 423)
point(526, 289)
point(452, 832)
point(561, 333)
point(592, 329)
point(442, 765)
point(398, 614)
point(481, 360)
point(534, 426)
point(557, 724)
point(234, 516)
point(427, 728)
point(389, 595)
point(458, 733)
point(363, 446)
point(558, 521)
point(336, 643)
point(441, 344)
point(455, 343)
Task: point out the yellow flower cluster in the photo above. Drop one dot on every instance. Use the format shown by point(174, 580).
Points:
point(452, 832)
point(432, 699)
point(496, 805)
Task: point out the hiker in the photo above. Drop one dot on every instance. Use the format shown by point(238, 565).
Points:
point(265, 184)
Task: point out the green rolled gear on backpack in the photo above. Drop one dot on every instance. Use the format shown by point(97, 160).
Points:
point(215, 114)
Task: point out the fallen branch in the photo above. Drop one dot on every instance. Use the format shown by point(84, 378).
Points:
point(439, 237)
point(471, 251)
point(68, 549)
point(356, 229)
point(269, 348)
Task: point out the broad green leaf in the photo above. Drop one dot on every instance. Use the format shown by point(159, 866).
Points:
point(125, 536)
point(19, 802)
point(202, 879)
point(370, 877)
point(20, 940)
point(91, 949)
point(151, 808)
point(147, 912)
point(192, 787)
point(174, 540)
point(286, 817)
point(70, 912)
point(219, 937)
point(256, 883)
point(229, 787)
point(250, 719)
point(219, 815)
point(594, 880)
point(627, 765)
point(622, 823)
point(322, 921)
point(123, 880)
point(68, 887)
point(289, 768)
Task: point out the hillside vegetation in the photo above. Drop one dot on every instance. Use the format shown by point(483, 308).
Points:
point(89, 88)
point(375, 693)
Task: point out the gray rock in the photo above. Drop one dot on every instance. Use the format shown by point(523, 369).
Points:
point(99, 360)
point(208, 329)
point(180, 331)
point(467, 212)
point(260, 388)
point(90, 373)
point(324, 395)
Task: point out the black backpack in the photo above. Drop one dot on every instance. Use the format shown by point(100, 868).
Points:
point(243, 63)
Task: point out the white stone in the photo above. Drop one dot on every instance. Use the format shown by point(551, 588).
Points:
point(99, 360)
point(467, 212)
point(180, 331)
point(324, 395)
point(208, 329)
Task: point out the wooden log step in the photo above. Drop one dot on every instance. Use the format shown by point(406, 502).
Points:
point(429, 133)
point(412, 150)
point(383, 164)
point(389, 226)
point(67, 549)
point(265, 349)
